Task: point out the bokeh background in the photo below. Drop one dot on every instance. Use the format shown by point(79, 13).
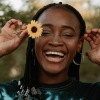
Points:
point(12, 65)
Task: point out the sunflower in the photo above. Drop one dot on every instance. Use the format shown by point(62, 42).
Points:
point(34, 29)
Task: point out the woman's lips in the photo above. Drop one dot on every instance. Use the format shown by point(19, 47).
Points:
point(53, 56)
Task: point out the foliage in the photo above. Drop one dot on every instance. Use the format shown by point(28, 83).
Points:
point(8, 13)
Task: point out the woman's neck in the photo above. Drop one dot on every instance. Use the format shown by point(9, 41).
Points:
point(48, 78)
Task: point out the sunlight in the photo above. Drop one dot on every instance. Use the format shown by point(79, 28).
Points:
point(13, 4)
point(56, 1)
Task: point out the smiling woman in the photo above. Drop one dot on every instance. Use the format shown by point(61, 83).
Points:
point(49, 70)
point(61, 38)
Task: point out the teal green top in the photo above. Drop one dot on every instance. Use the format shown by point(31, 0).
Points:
point(68, 90)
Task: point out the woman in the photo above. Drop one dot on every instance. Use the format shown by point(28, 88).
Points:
point(50, 57)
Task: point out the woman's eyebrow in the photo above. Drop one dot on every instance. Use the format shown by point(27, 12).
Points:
point(68, 27)
point(47, 25)
point(63, 26)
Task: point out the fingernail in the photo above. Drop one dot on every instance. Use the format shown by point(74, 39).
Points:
point(20, 23)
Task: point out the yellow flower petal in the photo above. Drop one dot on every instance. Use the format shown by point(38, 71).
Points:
point(34, 29)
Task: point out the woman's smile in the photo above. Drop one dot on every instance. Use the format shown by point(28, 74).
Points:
point(54, 56)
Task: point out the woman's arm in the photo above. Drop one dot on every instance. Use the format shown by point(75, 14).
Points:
point(11, 36)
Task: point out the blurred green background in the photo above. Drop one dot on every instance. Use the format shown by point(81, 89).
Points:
point(12, 65)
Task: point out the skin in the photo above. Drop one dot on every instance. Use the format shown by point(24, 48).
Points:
point(62, 35)
point(93, 38)
point(12, 37)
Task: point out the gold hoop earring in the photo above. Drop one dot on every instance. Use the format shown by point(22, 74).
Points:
point(82, 60)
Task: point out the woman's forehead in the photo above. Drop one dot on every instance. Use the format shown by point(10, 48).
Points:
point(57, 13)
point(59, 17)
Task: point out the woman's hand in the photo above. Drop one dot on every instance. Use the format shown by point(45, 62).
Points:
point(11, 36)
point(93, 37)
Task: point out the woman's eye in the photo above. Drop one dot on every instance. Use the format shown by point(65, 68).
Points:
point(44, 33)
point(68, 35)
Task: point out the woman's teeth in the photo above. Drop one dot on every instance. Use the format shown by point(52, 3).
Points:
point(51, 53)
point(54, 57)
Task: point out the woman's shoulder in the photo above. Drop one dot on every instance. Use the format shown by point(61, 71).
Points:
point(8, 90)
point(87, 84)
point(9, 85)
point(95, 84)
point(93, 88)
point(90, 91)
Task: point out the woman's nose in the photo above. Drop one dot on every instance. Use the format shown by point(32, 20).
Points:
point(56, 41)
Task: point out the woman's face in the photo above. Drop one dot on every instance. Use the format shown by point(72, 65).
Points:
point(59, 42)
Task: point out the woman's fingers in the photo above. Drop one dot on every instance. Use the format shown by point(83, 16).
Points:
point(13, 27)
point(12, 35)
point(92, 37)
point(14, 24)
point(21, 37)
point(11, 22)
point(24, 35)
point(88, 38)
point(22, 28)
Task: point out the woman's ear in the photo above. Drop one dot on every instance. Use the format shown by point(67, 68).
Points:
point(80, 44)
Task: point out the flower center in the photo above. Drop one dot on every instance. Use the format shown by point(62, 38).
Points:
point(34, 29)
